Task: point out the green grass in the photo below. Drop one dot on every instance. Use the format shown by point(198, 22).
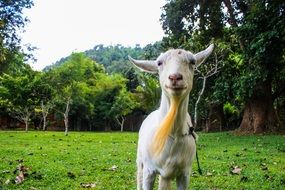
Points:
point(55, 161)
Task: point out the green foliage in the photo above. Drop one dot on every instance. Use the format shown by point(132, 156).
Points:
point(56, 161)
point(77, 67)
point(113, 58)
point(107, 89)
point(230, 109)
point(152, 51)
point(124, 104)
point(148, 93)
point(181, 19)
point(68, 80)
point(11, 22)
point(19, 92)
point(265, 36)
point(231, 114)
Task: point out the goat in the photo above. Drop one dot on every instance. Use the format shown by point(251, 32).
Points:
point(165, 146)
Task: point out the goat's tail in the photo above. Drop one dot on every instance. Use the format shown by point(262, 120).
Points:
point(165, 128)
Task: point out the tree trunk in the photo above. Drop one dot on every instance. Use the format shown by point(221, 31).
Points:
point(259, 114)
point(198, 100)
point(121, 123)
point(45, 122)
point(26, 119)
point(66, 113)
point(45, 109)
point(66, 124)
point(27, 125)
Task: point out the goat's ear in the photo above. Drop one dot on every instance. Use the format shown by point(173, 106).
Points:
point(145, 65)
point(202, 55)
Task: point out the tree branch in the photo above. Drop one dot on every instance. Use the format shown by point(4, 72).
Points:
point(208, 74)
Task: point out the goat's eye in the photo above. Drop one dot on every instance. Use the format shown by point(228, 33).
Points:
point(192, 62)
point(159, 63)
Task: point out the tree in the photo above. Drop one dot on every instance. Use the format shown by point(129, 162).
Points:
point(19, 96)
point(123, 105)
point(262, 54)
point(46, 94)
point(70, 82)
point(255, 35)
point(11, 22)
point(111, 100)
point(45, 109)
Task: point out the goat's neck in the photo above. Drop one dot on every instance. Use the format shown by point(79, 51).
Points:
point(180, 124)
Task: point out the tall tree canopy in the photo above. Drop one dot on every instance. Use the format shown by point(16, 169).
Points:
point(11, 22)
point(254, 33)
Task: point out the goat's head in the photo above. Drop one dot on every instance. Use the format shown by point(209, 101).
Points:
point(176, 70)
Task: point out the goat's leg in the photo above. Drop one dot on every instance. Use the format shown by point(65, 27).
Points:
point(139, 176)
point(164, 183)
point(148, 179)
point(182, 181)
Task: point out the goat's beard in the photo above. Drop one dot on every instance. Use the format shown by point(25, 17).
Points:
point(165, 128)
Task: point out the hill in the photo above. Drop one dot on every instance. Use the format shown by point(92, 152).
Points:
point(115, 58)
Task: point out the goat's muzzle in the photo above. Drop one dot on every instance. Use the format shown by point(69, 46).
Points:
point(176, 82)
point(175, 77)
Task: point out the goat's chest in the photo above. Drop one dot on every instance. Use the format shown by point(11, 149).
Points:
point(177, 157)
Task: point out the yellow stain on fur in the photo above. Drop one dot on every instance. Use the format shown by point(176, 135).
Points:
point(165, 128)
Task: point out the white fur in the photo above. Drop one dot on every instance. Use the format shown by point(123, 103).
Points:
point(175, 160)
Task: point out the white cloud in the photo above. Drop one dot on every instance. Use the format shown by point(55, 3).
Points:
point(59, 27)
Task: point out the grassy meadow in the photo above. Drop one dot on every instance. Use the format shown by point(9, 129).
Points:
point(50, 160)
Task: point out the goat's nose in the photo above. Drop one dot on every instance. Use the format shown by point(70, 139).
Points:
point(175, 77)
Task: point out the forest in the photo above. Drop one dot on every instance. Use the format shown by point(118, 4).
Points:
point(241, 87)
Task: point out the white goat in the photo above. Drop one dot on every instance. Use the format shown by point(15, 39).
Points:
point(165, 146)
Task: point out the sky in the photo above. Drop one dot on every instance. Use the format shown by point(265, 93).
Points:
point(59, 27)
